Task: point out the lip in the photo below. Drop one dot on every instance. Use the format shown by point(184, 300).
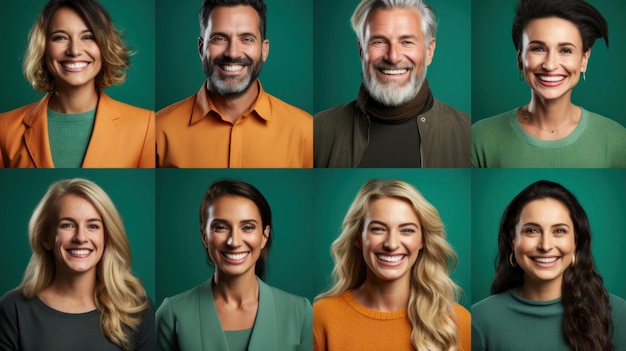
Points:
point(545, 261)
point(235, 257)
point(550, 80)
point(231, 69)
point(390, 260)
point(392, 73)
point(74, 66)
point(79, 252)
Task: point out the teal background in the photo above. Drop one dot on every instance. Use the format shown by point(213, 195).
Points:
point(496, 87)
point(337, 67)
point(132, 192)
point(602, 193)
point(447, 190)
point(182, 260)
point(135, 18)
point(286, 74)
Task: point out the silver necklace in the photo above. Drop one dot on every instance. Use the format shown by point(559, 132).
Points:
point(525, 111)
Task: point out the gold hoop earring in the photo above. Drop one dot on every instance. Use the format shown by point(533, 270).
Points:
point(511, 260)
point(573, 260)
point(520, 76)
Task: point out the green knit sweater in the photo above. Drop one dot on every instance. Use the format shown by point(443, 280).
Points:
point(596, 142)
point(507, 321)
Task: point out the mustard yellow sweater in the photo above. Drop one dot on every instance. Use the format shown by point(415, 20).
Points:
point(341, 323)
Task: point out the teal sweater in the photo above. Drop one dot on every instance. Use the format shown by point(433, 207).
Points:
point(507, 321)
point(596, 142)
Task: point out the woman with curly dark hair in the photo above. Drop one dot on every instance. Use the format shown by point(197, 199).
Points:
point(547, 293)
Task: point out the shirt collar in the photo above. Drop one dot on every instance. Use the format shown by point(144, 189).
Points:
point(204, 106)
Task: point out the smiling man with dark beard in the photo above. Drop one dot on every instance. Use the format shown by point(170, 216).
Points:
point(395, 121)
point(232, 121)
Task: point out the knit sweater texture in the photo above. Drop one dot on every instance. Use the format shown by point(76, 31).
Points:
point(341, 323)
point(507, 321)
point(596, 142)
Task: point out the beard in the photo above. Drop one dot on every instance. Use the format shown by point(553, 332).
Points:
point(231, 86)
point(392, 94)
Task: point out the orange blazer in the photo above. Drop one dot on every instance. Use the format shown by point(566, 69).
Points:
point(122, 137)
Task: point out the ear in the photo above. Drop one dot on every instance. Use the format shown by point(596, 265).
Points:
point(46, 243)
point(360, 48)
point(265, 237)
point(519, 61)
point(265, 49)
point(430, 51)
point(583, 66)
point(201, 47)
point(204, 240)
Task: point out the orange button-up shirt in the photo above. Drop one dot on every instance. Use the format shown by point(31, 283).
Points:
point(271, 134)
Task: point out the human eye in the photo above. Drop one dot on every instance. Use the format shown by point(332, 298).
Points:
point(66, 225)
point(377, 229)
point(58, 37)
point(537, 48)
point(377, 42)
point(89, 36)
point(408, 230)
point(560, 231)
point(93, 226)
point(530, 231)
point(567, 50)
point(217, 39)
point(248, 227)
point(248, 39)
point(219, 227)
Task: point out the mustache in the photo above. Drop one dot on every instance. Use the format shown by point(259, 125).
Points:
point(238, 61)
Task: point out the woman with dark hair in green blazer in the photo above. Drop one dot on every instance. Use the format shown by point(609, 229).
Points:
point(235, 310)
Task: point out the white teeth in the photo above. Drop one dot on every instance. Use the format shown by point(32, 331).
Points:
point(545, 259)
point(394, 71)
point(232, 68)
point(79, 252)
point(236, 257)
point(75, 65)
point(393, 259)
point(551, 78)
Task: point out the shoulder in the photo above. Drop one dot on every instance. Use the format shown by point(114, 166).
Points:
point(188, 299)
point(12, 298)
point(286, 300)
point(605, 123)
point(462, 313)
point(498, 121)
point(16, 116)
point(618, 305)
point(283, 109)
point(328, 305)
point(183, 106)
point(123, 108)
point(446, 111)
point(486, 306)
point(336, 114)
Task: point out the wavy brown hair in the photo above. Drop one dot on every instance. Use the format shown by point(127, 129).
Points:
point(432, 293)
point(119, 295)
point(587, 321)
point(115, 54)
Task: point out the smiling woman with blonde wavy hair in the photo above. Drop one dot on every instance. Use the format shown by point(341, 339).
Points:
point(78, 291)
point(392, 288)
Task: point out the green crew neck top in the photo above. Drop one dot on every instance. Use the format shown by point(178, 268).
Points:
point(69, 135)
point(501, 142)
point(238, 340)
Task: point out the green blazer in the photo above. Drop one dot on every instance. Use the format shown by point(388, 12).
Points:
point(189, 321)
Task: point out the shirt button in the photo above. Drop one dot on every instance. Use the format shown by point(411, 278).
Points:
point(423, 119)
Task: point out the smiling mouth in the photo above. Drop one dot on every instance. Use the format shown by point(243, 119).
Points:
point(235, 257)
point(545, 259)
point(74, 65)
point(550, 79)
point(393, 72)
point(79, 252)
point(232, 68)
point(391, 258)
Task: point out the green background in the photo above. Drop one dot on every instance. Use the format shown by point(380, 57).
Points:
point(135, 18)
point(602, 193)
point(287, 73)
point(182, 262)
point(495, 86)
point(447, 190)
point(337, 68)
point(132, 192)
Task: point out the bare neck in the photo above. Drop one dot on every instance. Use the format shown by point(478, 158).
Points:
point(552, 112)
point(540, 290)
point(71, 293)
point(234, 106)
point(385, 296)
point(74, 100)
point(235, 291)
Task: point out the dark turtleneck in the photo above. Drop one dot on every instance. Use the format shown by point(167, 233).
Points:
point(394, 139)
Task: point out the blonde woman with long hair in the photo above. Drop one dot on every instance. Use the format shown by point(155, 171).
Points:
point(392, 289)
point(78, 291)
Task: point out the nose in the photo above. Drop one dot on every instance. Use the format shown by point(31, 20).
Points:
point(233, 50)
point(73, 48)
point(391, 242)
point(546, 242)
point(79, 235)
point(234, 240)
point(550, 63)
point(393, 53)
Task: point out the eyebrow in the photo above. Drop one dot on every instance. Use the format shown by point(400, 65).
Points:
point(533, 224)
point(400, 225)
point(245, 34)
point(222, 220)
point(70, 219)
point(565, 43)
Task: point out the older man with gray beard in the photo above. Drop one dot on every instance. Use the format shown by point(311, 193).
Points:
point(395, 121)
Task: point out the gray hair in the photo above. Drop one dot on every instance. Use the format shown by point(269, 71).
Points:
point(366, 7)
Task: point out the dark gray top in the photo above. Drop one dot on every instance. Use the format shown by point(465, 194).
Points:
point(32, 325)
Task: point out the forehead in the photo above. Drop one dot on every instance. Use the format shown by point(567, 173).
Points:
point(394, 22)
point(76, 203)
point(241, 18)
point(65, 17)
point(546, 210)
point(233, 206)
point(551, 29)
point(391, 208)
